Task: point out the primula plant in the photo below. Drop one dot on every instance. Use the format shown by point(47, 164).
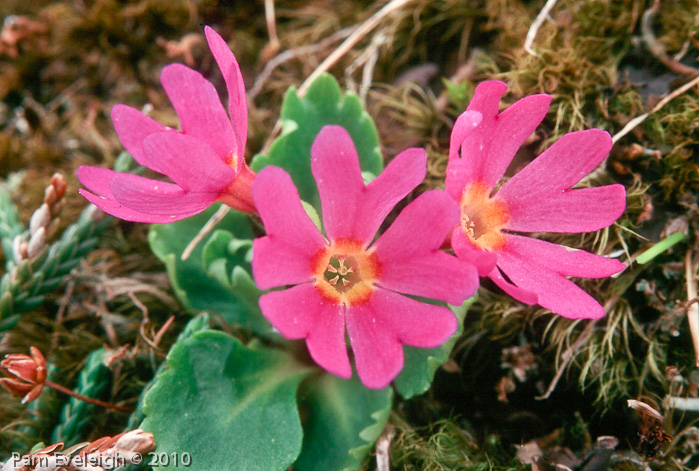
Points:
point(335, 287)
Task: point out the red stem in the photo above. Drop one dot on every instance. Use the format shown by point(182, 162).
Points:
point(65, 390)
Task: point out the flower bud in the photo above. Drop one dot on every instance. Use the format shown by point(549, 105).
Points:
point(40, 218)
point(27, 374)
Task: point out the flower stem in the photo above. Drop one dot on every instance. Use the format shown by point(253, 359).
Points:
point(65, 390)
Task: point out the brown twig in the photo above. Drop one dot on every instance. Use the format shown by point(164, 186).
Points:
point(639, 119)
point(693, 308)
point(656, 48)
point(356, 36)
point(383, 448)
point(78, 396)
point(270, 18)
point(291, 54)
point(567, 356)
point(540, 18)
point(208, 227)
point(352, 40)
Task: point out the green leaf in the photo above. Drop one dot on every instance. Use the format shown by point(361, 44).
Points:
point(195, 324)
point(223, 252)
point(303, 118)
point(421, 364)
point(228, 406)
point(660, 247)
point(344, 420)
point(313, 214)
point(10, 225)
point(197, 288)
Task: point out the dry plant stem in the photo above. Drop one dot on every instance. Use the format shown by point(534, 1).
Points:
point(656, 48)
point(692, 309)
point(639, 119)
point(292, 54)
point(351, 41)
point(639, 405)
point(65, 390)
point(682, 403)
point(368, 60)
point(356, 36)
point(383, 448)
point(567, 356)
point(271, 23)
point(208, 227)
point(540, 18)
point(154, 344)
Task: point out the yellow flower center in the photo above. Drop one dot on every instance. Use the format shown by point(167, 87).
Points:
point(483, 217)
point(345, 272)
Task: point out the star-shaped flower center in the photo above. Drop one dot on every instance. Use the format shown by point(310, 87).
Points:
point(345, 272)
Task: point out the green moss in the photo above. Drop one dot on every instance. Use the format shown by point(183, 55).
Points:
point(445, 446)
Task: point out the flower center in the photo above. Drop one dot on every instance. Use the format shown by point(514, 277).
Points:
point(342, 273)
point(345, 272)
point(483, 217)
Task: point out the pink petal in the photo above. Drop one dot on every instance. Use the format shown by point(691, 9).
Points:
point(300, 312)
point(351, 210)
point(409, 252)
point(581, 210)
point(120, 211)
point(200, 110)
point(487, 150)
point(459, 174)
point(560, 166)
point(457, 168)
point(335, 166)
point(378, 328)
point(554, 291)
point(291, 235)
point(156, 197)
point(466, 123)
point(237, 100)
point(133, 127)
point(450, 279)
point(189, 162)
point(96, 179)
point(521, 295)
point(561, 259)
point(484, 261)
point(276, 262)
point(378, 355)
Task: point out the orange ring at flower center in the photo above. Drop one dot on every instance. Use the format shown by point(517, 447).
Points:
point(345, 272)
point(483, 217)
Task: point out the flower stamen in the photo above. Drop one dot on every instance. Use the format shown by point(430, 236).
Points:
point(483, 218)
point(345, 272)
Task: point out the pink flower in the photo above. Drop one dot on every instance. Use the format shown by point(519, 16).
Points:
point(537, 199)
point(206, 160)
point(350, 280)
